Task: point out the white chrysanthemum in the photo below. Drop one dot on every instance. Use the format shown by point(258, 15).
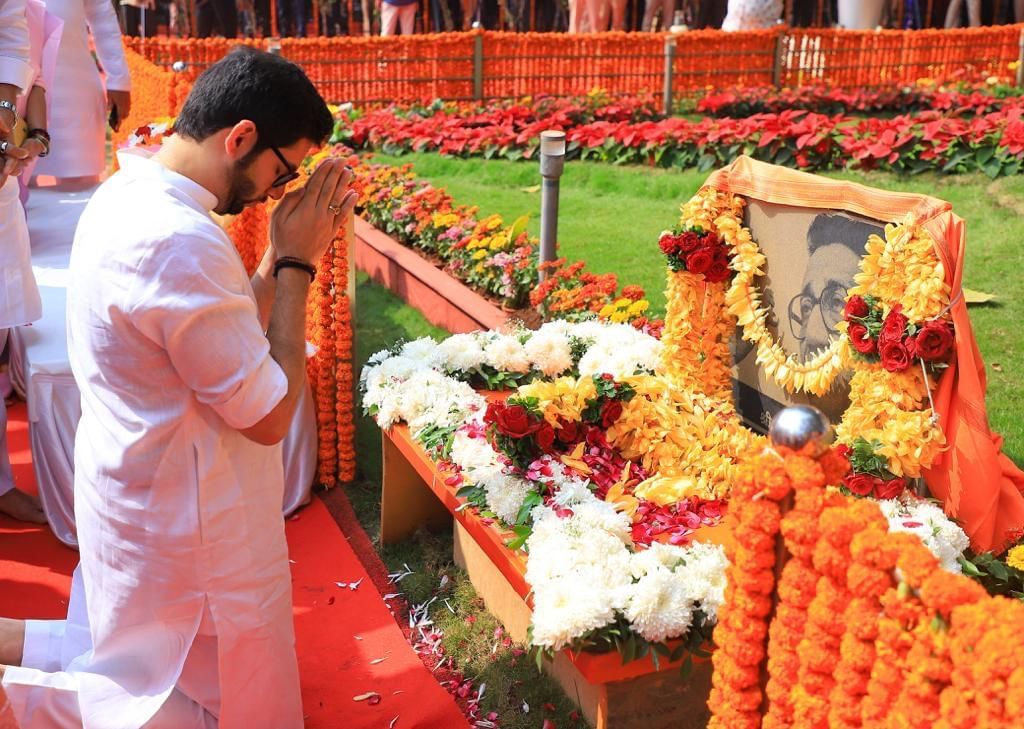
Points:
point(659, 607)
point(550, 352)
point(568, 608)
point(461, 352)
point(506, 354)
point(598, 515)
point(657, 556)
point(424, 350)
point(946, 540)
point(573, 491)
point(622, 351)
point(475, 456)
point(432, 399)
point(704, 576)
point(391, 370)
point(505, 495)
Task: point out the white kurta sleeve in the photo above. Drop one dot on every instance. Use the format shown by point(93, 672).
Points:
point(14, 44)
point(189, 297)
point(107, 35)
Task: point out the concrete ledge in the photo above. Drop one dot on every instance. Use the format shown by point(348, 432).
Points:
point(445, 301)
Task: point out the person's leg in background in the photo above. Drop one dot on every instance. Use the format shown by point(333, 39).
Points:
point(227, 17)
point(204, 18)
point(13, 502)
point(130, 20)
point(407, 18)
point(388, 19)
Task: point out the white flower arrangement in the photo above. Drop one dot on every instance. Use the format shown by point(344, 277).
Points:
point(926, 520)
point(657, 590)
point(583, 568)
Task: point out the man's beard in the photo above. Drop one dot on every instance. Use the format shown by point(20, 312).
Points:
point(242, 191)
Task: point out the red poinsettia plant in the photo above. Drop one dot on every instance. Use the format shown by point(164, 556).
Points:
point(698, 251)
point(893, 339)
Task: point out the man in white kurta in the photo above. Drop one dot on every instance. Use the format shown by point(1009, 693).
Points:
point(181, 607)
point(19, 295)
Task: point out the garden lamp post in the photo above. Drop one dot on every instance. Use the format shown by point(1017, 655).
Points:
point(552, 162)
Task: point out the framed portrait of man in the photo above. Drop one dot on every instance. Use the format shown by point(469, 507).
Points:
point(813, 256)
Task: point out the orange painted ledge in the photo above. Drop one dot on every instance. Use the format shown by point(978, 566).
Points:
point(596, 668)
point(444, 300)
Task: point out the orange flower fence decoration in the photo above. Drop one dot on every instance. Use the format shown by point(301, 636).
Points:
point(375, 70)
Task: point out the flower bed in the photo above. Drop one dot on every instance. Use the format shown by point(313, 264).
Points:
point(494, 258)
point(598, 466)
point(951, 142)
point(741, 102)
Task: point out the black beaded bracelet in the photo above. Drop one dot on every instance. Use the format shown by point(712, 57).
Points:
point(293, 262)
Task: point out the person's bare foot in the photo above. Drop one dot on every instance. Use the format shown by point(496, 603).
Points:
point(12, 641)
point(21, 506)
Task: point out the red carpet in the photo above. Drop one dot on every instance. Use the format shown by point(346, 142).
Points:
point(341, 634)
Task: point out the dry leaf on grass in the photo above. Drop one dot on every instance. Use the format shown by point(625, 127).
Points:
point(977, 297)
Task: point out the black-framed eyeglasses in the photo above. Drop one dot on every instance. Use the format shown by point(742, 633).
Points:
point(829, 305)
point(288, 176)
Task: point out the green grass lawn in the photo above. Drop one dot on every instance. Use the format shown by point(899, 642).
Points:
point(611, 216)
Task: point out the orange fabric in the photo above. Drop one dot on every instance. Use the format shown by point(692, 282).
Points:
point(979, 485)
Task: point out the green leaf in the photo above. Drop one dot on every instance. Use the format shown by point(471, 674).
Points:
point(706, 162)
point(970, 569)
point(519, 226)
point(687, 668)
point(522, 534)
point(678, 653)
point(999, 570)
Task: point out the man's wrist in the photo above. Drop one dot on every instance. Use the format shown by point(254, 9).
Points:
point(286, 273)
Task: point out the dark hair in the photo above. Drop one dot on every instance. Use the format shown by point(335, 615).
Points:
point(828, 228)
point(268, 90)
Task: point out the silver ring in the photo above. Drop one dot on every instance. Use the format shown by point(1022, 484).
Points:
point(3, 147)
point(336, 209)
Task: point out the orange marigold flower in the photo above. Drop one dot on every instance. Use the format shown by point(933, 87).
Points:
point(943, 591)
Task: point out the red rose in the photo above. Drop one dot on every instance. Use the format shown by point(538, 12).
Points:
point(856, 308)
point(895, 357)
point(710, 240)
point(688, 241)
point(894, 326)
point(515, 421)
point(610, 412)
point(568, 432)
point(668, 244)
point(861, 484)
point(844, 451)
point(889, 489)
point(700, 261)
point(860, 339)
point(545, 437)
point(719, 270)
point(934, 341)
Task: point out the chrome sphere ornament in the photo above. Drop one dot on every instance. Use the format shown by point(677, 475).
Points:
point(796, 426)
point(179, 66)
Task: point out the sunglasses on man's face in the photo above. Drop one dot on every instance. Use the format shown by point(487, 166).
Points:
point(288, 176)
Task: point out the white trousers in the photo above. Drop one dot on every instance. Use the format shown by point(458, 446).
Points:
point(392, 15)
point(6, 476)
point(43, 691)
